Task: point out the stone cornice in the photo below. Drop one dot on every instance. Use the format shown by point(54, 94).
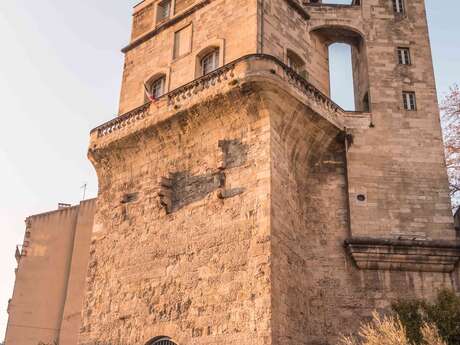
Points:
point(298, 8)
point(174, 20)
point(404, 255)
point(165, 25)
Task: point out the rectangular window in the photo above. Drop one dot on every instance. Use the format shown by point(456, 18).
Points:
point(163, 10)
point(398, 6)
point(409, 100)
point(183, 42)
point(404, 56)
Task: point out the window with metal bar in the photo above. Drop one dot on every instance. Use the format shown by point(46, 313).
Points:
point(163, 10)
point(404, 57)
point(398, 6)
point(409, 100)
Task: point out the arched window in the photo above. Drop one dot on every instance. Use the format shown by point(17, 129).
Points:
point(210, 61)
point(155, 88)
point(342, 54)
point(161, 341)
point(296, 63)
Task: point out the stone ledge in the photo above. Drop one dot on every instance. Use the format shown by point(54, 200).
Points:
point(403, 255)
point(239, 74)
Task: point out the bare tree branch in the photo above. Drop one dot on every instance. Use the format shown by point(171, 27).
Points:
point(450, 121)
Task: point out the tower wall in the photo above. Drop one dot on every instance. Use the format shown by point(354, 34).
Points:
point(187, 256)
point(229, 25)
point(282, 27)
point(398, 164)
point(246, 207)
point(318, 292)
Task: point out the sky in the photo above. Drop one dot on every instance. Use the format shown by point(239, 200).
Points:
point(60, 74)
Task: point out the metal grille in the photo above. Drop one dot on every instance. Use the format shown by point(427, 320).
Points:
point(163, 10)
point(409, 100)
point(163, 341)
point(404, 56)
point(398, 6)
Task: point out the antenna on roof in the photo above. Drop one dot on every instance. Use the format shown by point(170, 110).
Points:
point(84, 187)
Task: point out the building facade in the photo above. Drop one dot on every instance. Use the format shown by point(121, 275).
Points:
point(50, 277)
point(238, 204)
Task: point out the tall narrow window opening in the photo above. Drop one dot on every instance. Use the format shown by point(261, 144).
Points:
point(163, 10)
point(210, 62)
point(341, 75)
point(404, 56)
point(409, 100)
point(343, 69)
point(398, 6)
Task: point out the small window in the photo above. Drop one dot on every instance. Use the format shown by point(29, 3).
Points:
point(398, 6)
point(409, 100)
point(183, 42)
point(156, 88)
point(210, 62)
point(296, 63)
point(404, 56)
point(163, 10)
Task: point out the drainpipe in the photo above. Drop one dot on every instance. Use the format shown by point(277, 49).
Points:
point(260, 48)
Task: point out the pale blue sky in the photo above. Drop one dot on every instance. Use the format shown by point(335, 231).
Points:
point(60, 72)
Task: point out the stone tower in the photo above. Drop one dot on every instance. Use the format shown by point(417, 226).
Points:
point(238, 204)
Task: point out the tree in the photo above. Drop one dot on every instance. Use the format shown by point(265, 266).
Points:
point(450, 121)
point(389, 330)
point(443, 313)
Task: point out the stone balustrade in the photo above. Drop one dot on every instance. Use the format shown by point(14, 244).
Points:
point(227, 73)
point(189, 90)
point(122, 120)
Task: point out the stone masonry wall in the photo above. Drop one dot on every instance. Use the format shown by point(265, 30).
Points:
point(284, 28)
point(398, 165)
point(226, 222)
point(318, 293)
point(230, 25)
point(198, 271)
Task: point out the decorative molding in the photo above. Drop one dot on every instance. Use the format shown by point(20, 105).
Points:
point(404, 255)
point(298, 8)
point(122, 120)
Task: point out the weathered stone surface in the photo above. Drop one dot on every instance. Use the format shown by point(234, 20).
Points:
point(224, 206)
point(312, 177)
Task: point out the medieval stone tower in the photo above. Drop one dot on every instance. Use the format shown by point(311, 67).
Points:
point(238, 204)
